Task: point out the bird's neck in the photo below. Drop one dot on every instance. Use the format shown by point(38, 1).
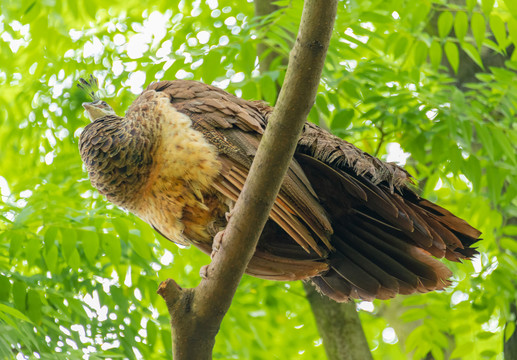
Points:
point(118, 154)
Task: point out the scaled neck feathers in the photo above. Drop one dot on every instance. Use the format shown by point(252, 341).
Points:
point(117, 153)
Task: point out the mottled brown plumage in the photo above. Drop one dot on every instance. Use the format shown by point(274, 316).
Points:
point(343, 219)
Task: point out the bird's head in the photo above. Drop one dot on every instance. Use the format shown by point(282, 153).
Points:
point(97, 108)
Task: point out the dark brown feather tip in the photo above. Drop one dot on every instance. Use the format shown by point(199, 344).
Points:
point(90, 87)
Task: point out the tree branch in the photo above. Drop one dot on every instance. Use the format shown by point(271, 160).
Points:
point(196, 314)
point(339, 326)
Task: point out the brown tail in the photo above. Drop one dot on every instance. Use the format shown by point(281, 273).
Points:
point(385, 238)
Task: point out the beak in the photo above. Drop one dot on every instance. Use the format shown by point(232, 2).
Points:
point(90, 110)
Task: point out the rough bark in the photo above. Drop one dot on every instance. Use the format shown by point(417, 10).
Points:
point(339, 326)
point(196, 314)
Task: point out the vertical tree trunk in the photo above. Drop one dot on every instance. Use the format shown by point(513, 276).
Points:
point(339, 327)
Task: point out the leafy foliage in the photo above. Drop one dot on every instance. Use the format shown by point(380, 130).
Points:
point(78, 277)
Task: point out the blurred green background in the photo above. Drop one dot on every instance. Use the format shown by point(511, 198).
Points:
point(428, 83)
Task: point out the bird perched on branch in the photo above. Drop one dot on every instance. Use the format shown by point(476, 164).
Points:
point(343, 219)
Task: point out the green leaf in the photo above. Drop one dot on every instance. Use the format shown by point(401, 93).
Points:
point(247, 56)
point(91, 10)
point(413, 314)
point(437, 352)
point(485, 335)
point(400, 47)
point(68, 242)
point(5, 288)
point(461, 25)
point(495, 179)
point(478, 27)
point(512, 6)
point(420, 52)
point(504, 143)
point(34, 306)
point(19, 295)
point(417, 17)
point(452, 53)
point(73, 8)
point(508, 244)
point(74, 260)
point(463, 350)
point(268, 88)
point(489, 354)
point(486, 140)
point(50, 237)
point(13, 312)
point(112, 248)
point(342, 119)
point(39, 26)
point(314, 116)
point(140, 247)
point(90, 240)
point(445, 21)
point(249, 90)
point(499, 31)
point(473, 171)
point(472, 52)
point(50, 257)
point(510, 230)
point(509, 330)
point(436, 54)
point(487, 6)
point(503, 76)
point(350, 89)
point(512, 30)
point(152, 332)
point(17, 240)
point(166, 338)
point(466, 130)
point(322, 105)
point(416, 339)
point(31, 12)
point(122, 227)
point(439, 149)
point(10, 322)
point(416, 149)
point(211, 61)
point(146, 232)
point(32, 250)
point(471, 4)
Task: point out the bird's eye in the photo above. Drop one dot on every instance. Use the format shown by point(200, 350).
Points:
point(104, 103)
